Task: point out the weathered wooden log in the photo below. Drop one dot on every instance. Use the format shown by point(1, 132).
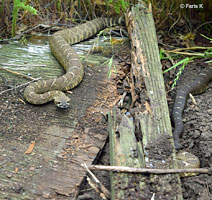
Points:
point(124, 151)
point(156, 149)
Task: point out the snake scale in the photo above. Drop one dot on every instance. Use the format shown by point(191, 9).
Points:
point(198, 86)
point(43, 91)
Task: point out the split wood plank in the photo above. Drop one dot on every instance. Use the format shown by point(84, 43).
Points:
point(124, 151)
point(156, 150)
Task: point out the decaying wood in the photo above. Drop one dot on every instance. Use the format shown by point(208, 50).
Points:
point(156, 150)
point(124, 151)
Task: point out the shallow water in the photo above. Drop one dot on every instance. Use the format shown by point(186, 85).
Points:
point(35, 59)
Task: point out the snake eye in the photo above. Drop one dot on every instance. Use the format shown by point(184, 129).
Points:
point(62, 102)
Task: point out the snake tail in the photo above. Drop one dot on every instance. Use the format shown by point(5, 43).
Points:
point(197, 86)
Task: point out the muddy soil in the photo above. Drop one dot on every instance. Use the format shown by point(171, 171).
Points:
point(22, 123)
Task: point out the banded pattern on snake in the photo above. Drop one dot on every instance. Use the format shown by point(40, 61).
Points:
point(43, 91)
point(198, 86)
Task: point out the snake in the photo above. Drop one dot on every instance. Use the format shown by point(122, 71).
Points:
point(44, 91)
point(198, 86)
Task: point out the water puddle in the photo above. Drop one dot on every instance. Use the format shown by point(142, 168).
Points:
point(35, 59)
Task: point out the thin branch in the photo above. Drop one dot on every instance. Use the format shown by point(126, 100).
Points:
point(186, 53)
point(17, 73)
point(96, 184)
point(188, 48)
point(210, 22)
point(18, 65)
point(21, 34)
point(149, 171)
point(19, 86)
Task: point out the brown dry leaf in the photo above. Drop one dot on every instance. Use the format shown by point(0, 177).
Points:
point(16, 170)
point(31, 147)
point(148, 108)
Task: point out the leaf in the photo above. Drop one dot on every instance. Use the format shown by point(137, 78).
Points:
point(185, 60)
point(31, 147)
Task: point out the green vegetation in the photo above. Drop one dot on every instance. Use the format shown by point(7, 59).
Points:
point(207, 37)
point(81, 10)
point(108, 62)
point(118, 5)
point(58, 3)
point(17, 5)
point(182, 63)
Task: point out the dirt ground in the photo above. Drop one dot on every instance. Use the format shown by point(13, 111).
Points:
point(20, 122)
point(23, 123)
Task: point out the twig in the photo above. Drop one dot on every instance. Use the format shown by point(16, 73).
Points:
point(17, 73)
point(174, 23)
point(96, 184)
point(21, 34)
point(18, 65)
point(169, 57)
point(186, 53)
point(193, 99)
point(188, 48)
point(19, 86)
point(203, 25)
point(149, 171)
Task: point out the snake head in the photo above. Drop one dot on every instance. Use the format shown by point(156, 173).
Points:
point(62, 101)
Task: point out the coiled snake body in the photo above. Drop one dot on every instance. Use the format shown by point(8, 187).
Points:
point(43, 91)
point(196, 87)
